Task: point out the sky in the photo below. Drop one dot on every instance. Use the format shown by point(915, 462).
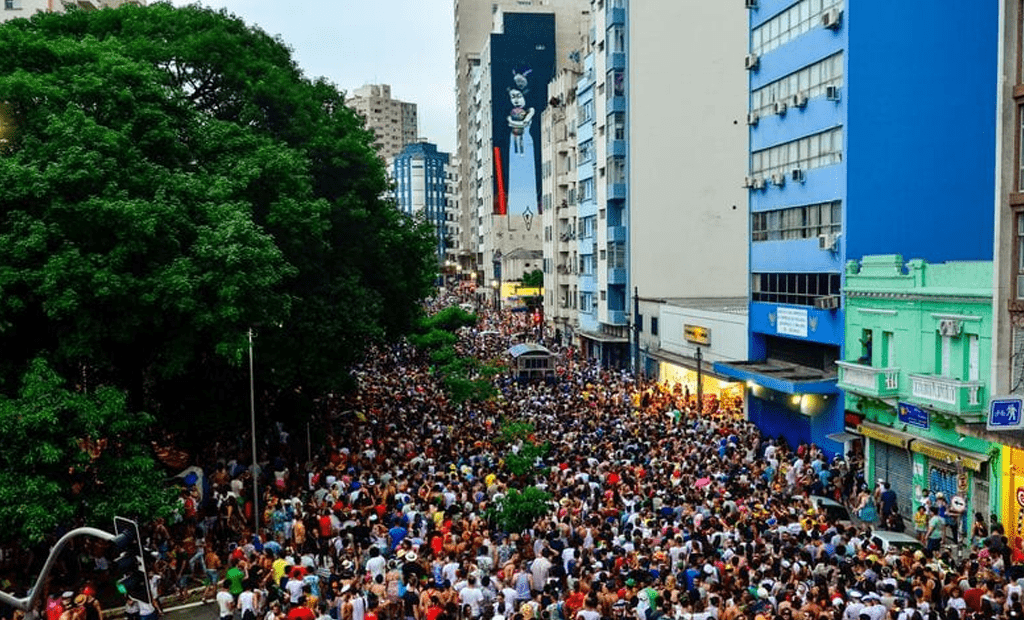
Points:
point(409, 44)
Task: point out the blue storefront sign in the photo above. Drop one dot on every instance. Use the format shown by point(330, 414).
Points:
point(1004, 414)
point(912, 416)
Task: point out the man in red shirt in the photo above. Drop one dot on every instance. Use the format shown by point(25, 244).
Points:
point(300, 611)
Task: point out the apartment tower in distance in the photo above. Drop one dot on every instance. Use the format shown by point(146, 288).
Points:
point(393, 122)
point(13, 9)
point(847, 160)
point(500, 47)
point(420, 173)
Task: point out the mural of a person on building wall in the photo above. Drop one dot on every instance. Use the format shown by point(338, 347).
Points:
point(520, 117)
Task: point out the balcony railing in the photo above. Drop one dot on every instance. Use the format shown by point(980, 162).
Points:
point(963, 398)
point(867, 380)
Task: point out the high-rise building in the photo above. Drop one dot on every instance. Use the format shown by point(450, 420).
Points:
point(13, 9)
point(393, 122)
point(659, 209)
point(527, 47)
point(421, 187)
point(558, 165)
point(1008, 267)
point(847, 160)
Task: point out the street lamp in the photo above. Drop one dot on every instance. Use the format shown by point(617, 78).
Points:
point(496, 285)
point(252, 419)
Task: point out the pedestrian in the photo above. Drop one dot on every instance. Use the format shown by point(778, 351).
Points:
point(225, 601)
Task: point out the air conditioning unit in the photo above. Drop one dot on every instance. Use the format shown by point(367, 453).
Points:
point(827, 242)
point(748, 182)
point(832, 93)
point(831, 18)
point(800, 100)
point(751, 62)
point(949, 327)
point(827, 302)
point(750, 4)
point(780, 107)
point(778, 180)
point(758, 183)
point(752, 118)
point(797, 175)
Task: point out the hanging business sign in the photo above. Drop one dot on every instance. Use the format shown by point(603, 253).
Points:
point(912, 416)
point(697, 334)
point(1004, 413)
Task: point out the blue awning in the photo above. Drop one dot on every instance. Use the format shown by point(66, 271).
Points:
point(780, 376)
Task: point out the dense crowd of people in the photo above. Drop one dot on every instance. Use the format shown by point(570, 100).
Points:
point(656, 511)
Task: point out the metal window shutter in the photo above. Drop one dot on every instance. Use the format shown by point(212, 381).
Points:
point(892, 464)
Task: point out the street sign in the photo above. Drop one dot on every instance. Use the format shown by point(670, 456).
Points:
point(1004, 414)
point(912, 416)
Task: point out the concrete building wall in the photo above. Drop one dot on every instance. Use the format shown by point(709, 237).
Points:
point(394, 122)
point(687, 148)
point(14, 9)
point(1008, 287)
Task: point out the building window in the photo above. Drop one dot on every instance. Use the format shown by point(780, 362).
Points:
point(618, 123)
point(945, 352)
point(12, 5)
point(790, 24)
point(586, 151)
point(618, 38)
point(821, 149)
point(587, 189)
point(618, 81)
point(1020, 255)
point(798, 289)
point(585, 113)
point(654, 326)
point(640, 322)
point(797, 222)
point(1020, 150)
point(812, 81)
point(604, 295)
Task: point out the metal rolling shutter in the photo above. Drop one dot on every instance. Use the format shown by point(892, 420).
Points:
point(892, 463)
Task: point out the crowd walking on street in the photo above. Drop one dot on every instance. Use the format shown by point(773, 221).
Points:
point(657, 511)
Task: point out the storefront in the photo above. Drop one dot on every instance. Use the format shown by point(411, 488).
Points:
point(889, 459)
point(1011, 509)
point(716, 390)
point(913, 463)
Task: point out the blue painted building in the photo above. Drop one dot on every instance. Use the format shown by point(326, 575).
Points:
point(419, 173)
point(851, 154)
point(602, 218)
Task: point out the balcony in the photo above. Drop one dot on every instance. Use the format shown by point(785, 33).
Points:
point(962, 398)
point(616, 191)
point(616, 275)
point(869, 381)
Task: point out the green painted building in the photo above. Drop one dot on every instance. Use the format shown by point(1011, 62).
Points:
point(918, 348)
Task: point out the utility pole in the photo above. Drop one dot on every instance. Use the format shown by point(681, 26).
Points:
point(636, 333)
point(700, 386)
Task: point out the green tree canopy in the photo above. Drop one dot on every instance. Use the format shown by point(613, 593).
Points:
point(174, 180)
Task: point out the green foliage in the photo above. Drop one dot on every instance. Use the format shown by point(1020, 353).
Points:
point(443, 356)
point(534, 279)
point(513, 431)
point(522, 463)
point(451, 319)
point(432, 340)
point(70, 455)
point(461, 390)
point(518, 511)
point(173, 181)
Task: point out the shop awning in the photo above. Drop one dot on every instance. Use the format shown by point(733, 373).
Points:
point(780, 376)
point(949, 454)
point(842, 437)
point(689, 363)
point(885, 434)
point(599, 337)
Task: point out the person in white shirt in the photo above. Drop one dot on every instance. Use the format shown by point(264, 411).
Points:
point(248, 602)
point(225, 602)
point(472, 595)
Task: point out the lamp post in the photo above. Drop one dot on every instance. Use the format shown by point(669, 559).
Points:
point(496, 285)
point(497, 277)
point(252, 419)
point(700, 387)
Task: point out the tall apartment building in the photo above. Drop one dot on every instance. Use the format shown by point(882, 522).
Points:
point(481, 27)
point(1008, 317)
point(13, 9)
point(659, 208)
point(452, 217)
point(420, 173)
point(558, 165)
point(393, 122)
point(847, 160)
